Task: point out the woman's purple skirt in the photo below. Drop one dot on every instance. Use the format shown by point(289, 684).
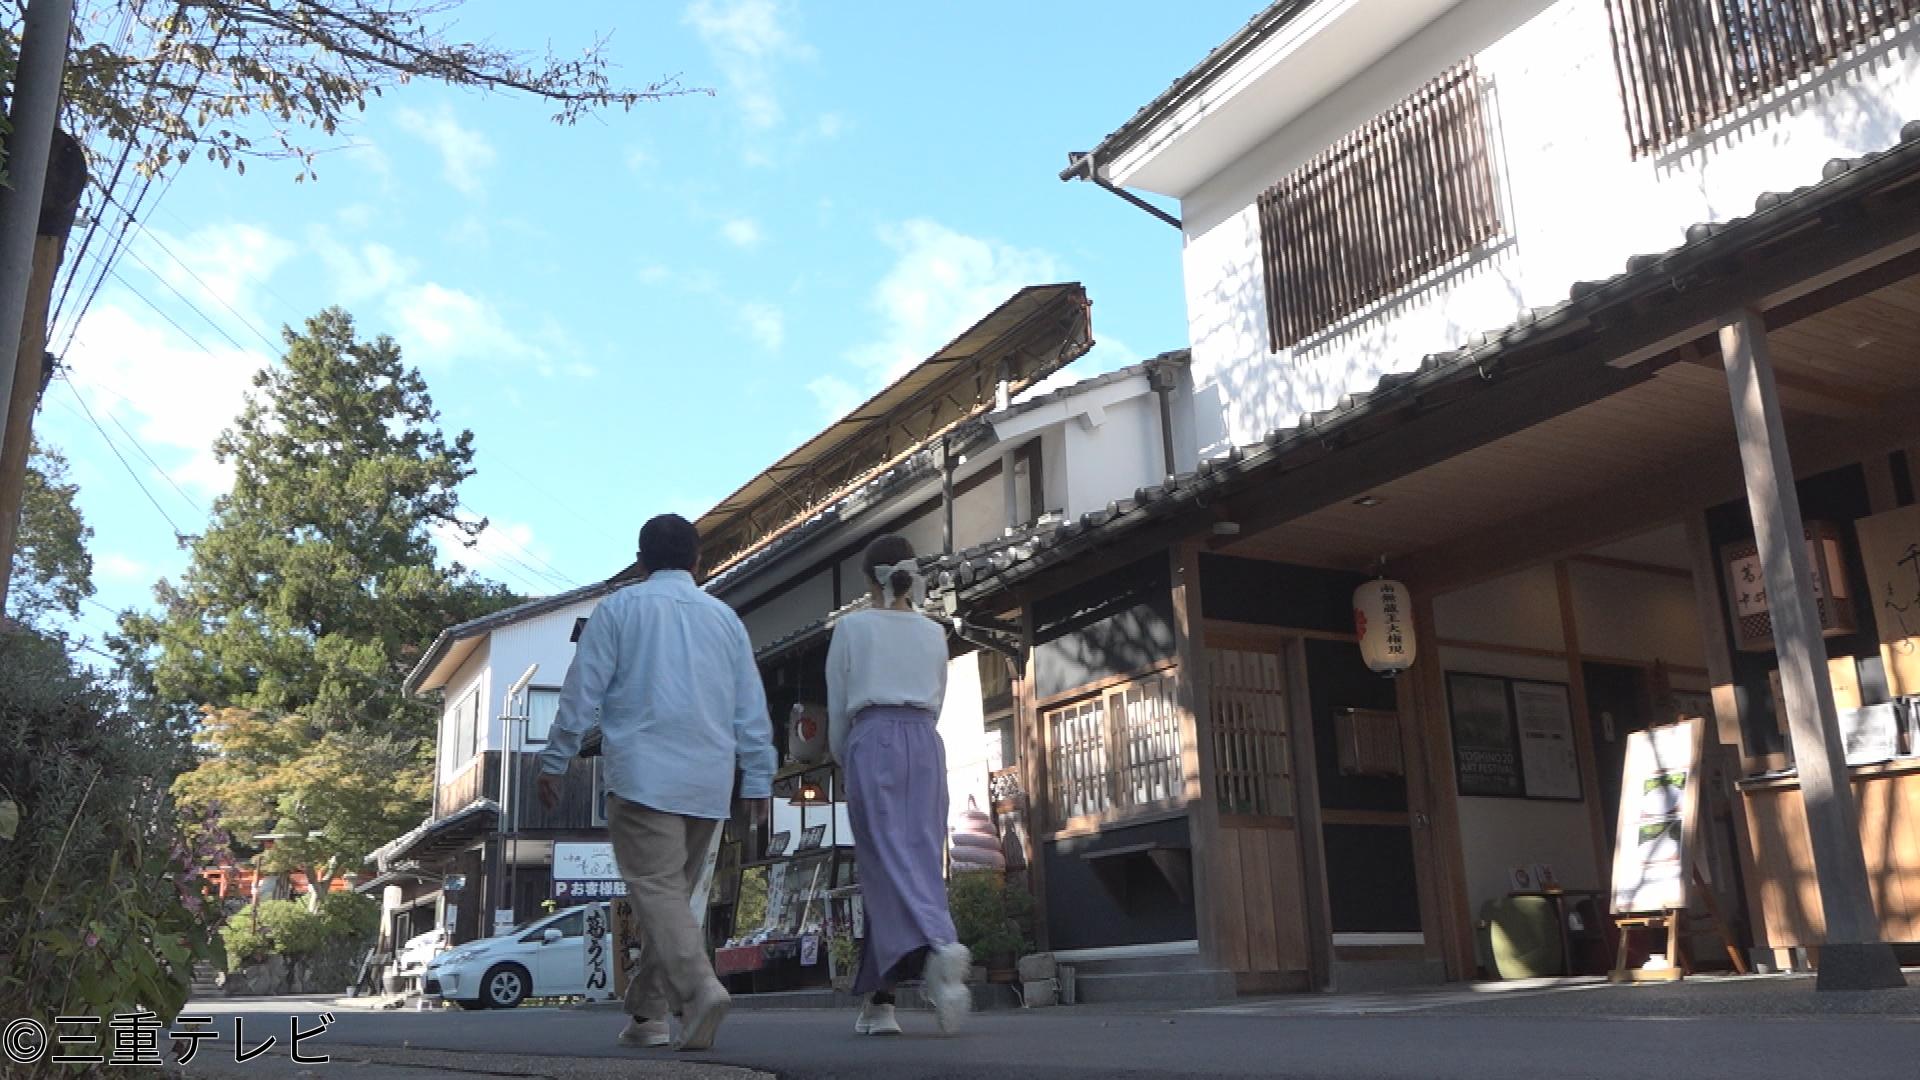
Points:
point(896, 772)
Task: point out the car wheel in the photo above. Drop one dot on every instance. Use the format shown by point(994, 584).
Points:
point(505, 986)
point(476, 1003)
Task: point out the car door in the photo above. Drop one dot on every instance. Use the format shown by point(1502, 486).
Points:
point(559, 967)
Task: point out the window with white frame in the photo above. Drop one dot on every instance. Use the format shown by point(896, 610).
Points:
point(460, 734)
point(542, 706)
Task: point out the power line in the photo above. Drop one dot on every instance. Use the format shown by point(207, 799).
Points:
point(204, 317)
point(139, 446)
point(178, 535)
point(554, 571)
point(272, 345)
point(157, 310)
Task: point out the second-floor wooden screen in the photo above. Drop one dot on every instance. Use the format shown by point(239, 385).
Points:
point(1392, 202)
point(1685, 63)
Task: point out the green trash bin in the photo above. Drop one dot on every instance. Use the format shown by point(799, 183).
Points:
point(1521, 935)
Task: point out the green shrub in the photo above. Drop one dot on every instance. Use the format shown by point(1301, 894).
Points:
point(288, 929)
point(988, 915)
point(101, 908)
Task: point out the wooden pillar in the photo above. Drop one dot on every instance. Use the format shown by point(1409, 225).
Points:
point(1853, 956)
point(1197, 755)
point(1582, 716)
point(1032, 738)
point(946, 497)
point(1313, 837)
point(1426, 684)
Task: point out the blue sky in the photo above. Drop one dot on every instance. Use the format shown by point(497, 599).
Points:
point(637, 313)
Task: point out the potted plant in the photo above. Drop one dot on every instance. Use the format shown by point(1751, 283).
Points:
point(843, 956)
point(987, 915)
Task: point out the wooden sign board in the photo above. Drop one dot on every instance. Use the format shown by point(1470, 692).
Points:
point(1890, 549)
point(1658, 835)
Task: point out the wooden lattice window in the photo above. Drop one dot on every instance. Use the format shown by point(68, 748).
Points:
point(1117, 750)
point(1685, 63)
point(1392, 202)
point(1253, 765)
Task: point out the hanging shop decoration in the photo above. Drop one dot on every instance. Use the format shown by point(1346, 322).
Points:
point(1747, 588)
point(807, 733)
point(1382, 618)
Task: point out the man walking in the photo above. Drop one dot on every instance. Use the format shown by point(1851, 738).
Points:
point(668, 671)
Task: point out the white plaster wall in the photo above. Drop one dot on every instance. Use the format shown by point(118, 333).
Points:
point(1633, 615)
point(1577, 205)
point(544, 640)
point(1116, 458)
point(799, 606)
point(1521, 610)
point(963, 729)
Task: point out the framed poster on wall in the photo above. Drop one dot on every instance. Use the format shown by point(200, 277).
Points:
point(1486, 755)
point(1513, 738)
point(1549, 764)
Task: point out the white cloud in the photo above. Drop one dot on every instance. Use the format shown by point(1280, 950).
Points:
point(365, 272)
point(230, 261)
point(439, 324)
point(506, 550)
point(766, 324)
point(749, 40)
point(581, 370)
point(941, 282)
point(830, 125)
point(464, 152)
point(172, 395)
point(638, 159)
point(114, 566)
point(742, 232)
point(836, 396)
point(654, 274)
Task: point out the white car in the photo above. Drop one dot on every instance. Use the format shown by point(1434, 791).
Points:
point(568, 954)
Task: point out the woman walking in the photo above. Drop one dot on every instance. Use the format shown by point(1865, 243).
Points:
point(886, 680)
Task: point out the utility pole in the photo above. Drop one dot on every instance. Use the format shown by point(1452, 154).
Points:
point(35, 111)
point(66, 182)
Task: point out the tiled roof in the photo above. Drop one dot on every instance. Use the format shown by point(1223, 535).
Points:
point(983, 567)
point(405, 842)
point(920, 468)
point(1258, 29)
point(1177, 357)
point(506, 617)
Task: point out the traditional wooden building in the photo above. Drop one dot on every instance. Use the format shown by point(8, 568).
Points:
point(1591, 325)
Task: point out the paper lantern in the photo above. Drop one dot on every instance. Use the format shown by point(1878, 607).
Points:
point(1382, 617)
point(807, 733)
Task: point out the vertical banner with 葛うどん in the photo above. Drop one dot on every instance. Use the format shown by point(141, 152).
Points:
point(1659, 812)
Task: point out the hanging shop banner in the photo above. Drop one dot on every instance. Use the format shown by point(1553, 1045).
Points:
point(1486, 755)
point(586, 871)
point(1659, 811)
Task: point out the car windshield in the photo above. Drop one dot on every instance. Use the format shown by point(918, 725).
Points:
point(570, 924)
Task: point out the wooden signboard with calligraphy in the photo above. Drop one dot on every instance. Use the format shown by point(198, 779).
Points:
point(1890, 548)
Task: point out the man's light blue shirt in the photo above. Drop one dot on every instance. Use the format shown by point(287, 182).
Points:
point(669, 672)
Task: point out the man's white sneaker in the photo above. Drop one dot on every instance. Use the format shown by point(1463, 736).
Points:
point(703, 1017)
point(947, 985)
point(876, 1020)
point(648, 1034)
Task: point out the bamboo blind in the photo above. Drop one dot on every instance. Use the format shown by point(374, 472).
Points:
point(1247, 697)
point(1117, 750)
point(1394, 201)
point(1682, 64)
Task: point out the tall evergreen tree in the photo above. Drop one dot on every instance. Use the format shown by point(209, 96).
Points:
point(313, 591)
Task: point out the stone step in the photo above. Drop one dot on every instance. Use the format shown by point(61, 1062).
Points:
point(1134, 965)
point(1368, 976)
point(1193, 984)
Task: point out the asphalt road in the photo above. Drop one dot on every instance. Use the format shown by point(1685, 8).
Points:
point(1550, 1036)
